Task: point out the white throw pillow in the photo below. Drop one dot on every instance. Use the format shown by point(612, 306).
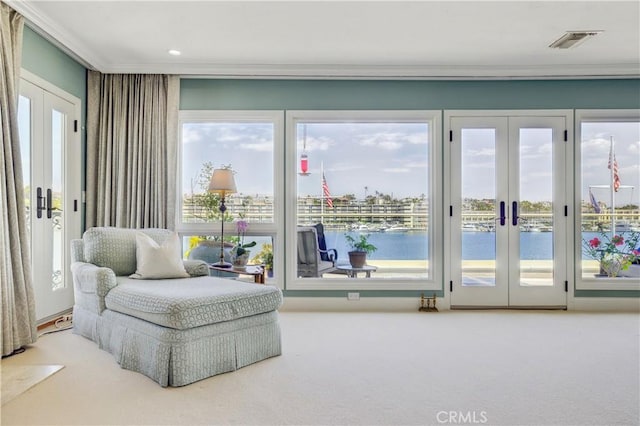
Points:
point(158, 261)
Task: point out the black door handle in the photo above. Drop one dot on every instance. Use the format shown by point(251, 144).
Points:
point(49, 203)
point(39, 203)
point(503, 218)
point(514, 213)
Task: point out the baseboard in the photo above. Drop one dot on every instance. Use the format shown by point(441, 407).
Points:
point(51, 320)
point(606, 304)
point(411, 304)
point(339, 304)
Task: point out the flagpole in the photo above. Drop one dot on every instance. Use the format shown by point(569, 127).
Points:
point(321, 192)
point(611, 186)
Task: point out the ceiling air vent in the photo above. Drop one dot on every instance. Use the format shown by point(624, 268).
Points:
point(572, 39)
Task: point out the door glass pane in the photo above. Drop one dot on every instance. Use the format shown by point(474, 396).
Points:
point(478, 194)
point(364, 180)
point(536, 207)
point(610, 153)
point(57, 191)
point(24, 131)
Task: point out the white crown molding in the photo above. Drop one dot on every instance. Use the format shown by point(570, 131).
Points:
point(56, 35)
point(371, 72)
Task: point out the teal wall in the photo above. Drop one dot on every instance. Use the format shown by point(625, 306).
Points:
point(50, 63)
point(382, 94)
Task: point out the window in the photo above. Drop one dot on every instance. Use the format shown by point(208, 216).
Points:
point(371, 174)
point(607, 198)
point(248, 142)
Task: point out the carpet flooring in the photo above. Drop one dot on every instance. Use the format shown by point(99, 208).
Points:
point(451, 367)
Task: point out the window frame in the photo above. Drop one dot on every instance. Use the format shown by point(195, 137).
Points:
point(273, 229)
point(436, 235)
point(595, 115)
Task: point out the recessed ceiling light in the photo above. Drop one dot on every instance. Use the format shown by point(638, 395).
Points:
point(174, 52)
point(573, 38)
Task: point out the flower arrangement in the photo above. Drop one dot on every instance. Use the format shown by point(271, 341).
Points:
point(614, 253)
point(241, 247)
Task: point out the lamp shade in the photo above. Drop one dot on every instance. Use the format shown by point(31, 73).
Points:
point(222, 182)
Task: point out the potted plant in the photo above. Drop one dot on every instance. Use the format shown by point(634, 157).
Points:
point(265, 257)
point(360, 247)
point(614, 254)
point(240, 253)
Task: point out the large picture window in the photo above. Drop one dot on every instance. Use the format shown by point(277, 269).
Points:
point(608, 239)
point(249, 143)
point(365, 176)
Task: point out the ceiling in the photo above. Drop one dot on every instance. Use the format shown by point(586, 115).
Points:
point(344, 39)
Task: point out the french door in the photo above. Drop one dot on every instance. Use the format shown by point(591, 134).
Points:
point(51, 162)
point(508, 210)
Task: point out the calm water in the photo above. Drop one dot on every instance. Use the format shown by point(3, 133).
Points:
point(476, 245)
point(414, 245)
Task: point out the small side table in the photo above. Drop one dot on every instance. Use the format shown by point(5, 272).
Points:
point(353, 272)
point(256, 271)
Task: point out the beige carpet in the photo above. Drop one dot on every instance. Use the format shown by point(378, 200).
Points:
point(508, 368)
point(17, 379)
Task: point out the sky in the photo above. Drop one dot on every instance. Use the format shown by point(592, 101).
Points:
point(595, 148)
point(392, 158)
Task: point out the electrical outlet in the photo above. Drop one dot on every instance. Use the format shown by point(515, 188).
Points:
point(353, 296)
point(67, 317)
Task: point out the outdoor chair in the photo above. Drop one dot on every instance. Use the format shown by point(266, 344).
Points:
point(314, 259)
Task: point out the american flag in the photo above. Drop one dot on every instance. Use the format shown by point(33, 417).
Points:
point(326, 193)
point(616, 178)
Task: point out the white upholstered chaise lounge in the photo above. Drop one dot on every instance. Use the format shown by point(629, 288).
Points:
point(175, 331)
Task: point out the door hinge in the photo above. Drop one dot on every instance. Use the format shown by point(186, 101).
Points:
point(450, 211)
point(450, 135)
point(566, 286)
point(75, 126)
point(566, 135)
point(566, 211)
point(450, 286)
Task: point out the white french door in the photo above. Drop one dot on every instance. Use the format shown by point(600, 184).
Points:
point(51, 161)
point(508, 214)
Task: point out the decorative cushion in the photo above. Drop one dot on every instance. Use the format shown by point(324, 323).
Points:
point(115, 248)
point(155, 261)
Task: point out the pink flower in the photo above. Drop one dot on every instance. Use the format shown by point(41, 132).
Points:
point(242, 226)
point(636, 252)
point(617, 240)
point(595, 242)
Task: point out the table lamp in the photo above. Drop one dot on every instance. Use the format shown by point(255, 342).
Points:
point(222, 183)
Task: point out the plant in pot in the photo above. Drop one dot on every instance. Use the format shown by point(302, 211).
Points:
point(265, 257)
point(240, 253)
point(614, 254)
point(360, 247)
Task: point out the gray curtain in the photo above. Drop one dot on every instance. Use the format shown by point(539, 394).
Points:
point(16, 292)
point(132, 133)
